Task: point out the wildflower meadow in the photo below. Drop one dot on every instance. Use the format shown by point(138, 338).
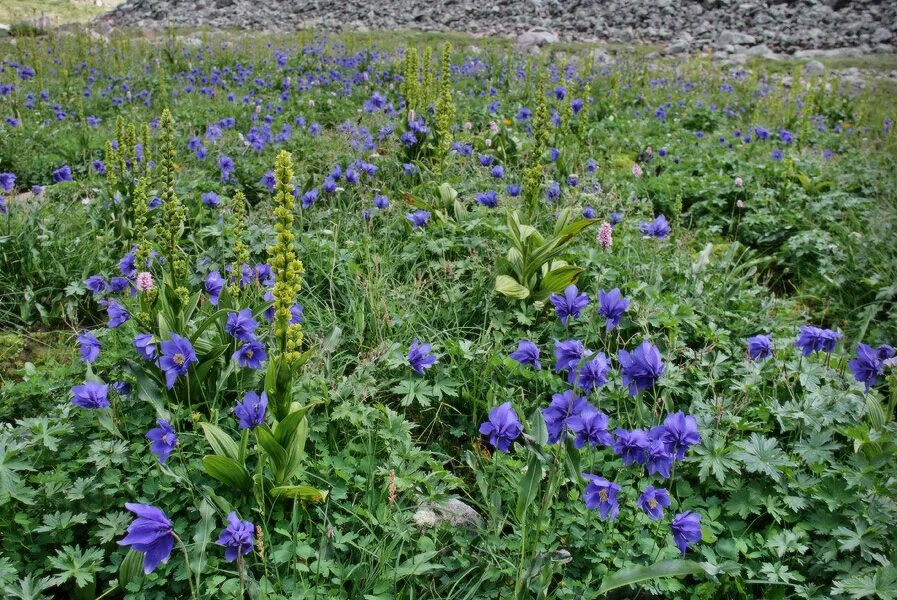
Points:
point(376, 316)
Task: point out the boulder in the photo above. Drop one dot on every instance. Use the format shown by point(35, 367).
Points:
point(536, 37)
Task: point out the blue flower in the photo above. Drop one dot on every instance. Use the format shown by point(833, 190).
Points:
point(488, 198)
point(759, 346)
point(632, 446)
point(815, 339)
point(592, 375)
point(590, 427)
point(679, 433)
point(570, 304)
point(653, 501)
point(213, 285)
point(241, 325)
point(503, 427)
point(658, 228)
point(250, 355)
point(309, 198)
point(177, 356)
point(527, 353)
point(641, 368)
point(211, 199)
point(419, 357)
point(96, 284)
point(117, 314)
point(381, 202)
point(251, 411)
point(150, 533)
point(562, 407)
point(612, 305)
point(164, 440)
point(568, 354)
point(91, 395)
point(145, 346)
point(601, 494)
point(867, 367)
point(237, 538)
point(498, 171)
point(686, 529)
point(268, 180)
point(418, 218)
point(658, 459)
point(513, 190)
point(89, 347)
point(63, 173)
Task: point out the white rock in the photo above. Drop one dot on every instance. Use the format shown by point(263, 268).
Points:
point(537, 37)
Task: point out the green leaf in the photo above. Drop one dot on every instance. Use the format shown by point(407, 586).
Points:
point(508, 286)
point(664, 568)
point(529, 486)
point(559, 278)
point(227, 471)
point(275, 451)
point(299, 492)
point(418, 565)
point(220, 442)
point(203, 534)
point(130, 569)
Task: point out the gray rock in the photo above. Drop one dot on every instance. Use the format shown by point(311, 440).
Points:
point(678, 47)
point(537, 37)
point(881, 35)
point(813, 68)
point(733, 38)
point(453, 512)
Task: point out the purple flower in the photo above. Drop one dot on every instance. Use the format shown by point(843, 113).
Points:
point(418, 218)
point(590, 427)
point(498, 171)
point(251, 411)
point(91, 395)
point(658, 459)
point(631, 446)
point(680, 432)
point(553, 191)
point(867, 367)
point(237, 538)
point(776, 156)
point(309, 198)
point(592, 375)
point(126, 265)
point(615, 218)
point(759, 347)
point(90, 347)
point(96, 284)
point(211, 199)
point(381, 202)
point(226, 166)
point(7, 182)
point(151, 533)
point(568, 354)
point(268, 180)
point(503, 426)
point(117, 314)
point(686, 529)
point(296, 314)
point(241, 325)
point(815, 339)
point(641, 368)
point(145, 346)
point(177, 356)
point(601, 494)
point(658, 228)
point(513, 190)
point(213, 285)
point(163, 440)
point(653, 501)
point(488, 198)
point(63, 173)
point(527, 353)
point(250, 355)
point(612, 305)
point(419, 357)
point(562, 407)
point(570, 304)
